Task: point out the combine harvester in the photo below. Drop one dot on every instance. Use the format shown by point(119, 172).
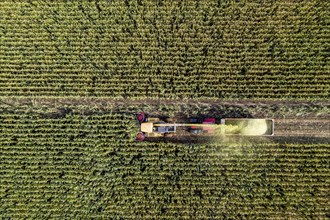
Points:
point(156, 127)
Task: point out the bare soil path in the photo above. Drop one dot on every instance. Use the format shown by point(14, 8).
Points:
point(292, 118)
point(302, 127)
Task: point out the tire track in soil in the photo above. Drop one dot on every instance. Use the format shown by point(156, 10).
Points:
point(302, 127)
point(315, 126)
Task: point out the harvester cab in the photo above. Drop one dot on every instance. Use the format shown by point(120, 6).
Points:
point(157, 127)
point(153, 127)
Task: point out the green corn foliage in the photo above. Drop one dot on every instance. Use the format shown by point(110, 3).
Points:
point(87, 165)
point(165, 49)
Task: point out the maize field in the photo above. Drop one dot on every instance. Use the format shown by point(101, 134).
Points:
point(73, 73)
point(166, 49)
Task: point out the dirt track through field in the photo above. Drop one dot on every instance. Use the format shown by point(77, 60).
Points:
point(302, 127)
point(295, 119)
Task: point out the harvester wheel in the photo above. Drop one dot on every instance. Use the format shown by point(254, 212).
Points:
point(141, 117)
point(140, 136)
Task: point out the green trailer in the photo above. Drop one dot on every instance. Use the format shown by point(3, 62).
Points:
point(248, 126)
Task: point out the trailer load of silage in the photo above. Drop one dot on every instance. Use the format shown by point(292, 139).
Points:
point(249, 127)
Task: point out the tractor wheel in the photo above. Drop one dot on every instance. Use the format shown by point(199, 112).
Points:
point(140, 136)
point(141, 117)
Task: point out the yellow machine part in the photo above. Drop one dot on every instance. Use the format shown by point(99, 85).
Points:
point(154, 120)
point(147, 127)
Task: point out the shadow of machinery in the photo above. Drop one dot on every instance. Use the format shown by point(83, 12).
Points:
point(214, 111)
point(244, 140)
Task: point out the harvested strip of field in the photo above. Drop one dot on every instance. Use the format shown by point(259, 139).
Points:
point(303, 127)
